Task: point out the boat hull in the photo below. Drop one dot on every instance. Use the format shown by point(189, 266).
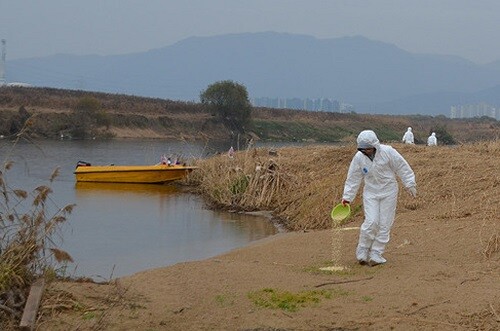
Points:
point(154, 174)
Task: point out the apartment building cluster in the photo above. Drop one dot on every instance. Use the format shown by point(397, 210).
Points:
point(475, 110)
point(318, 104)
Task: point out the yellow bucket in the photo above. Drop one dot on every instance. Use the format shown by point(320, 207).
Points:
point(340, 212)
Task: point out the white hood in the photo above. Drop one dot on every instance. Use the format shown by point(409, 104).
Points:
point(368, 139)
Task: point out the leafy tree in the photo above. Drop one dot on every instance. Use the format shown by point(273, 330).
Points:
point(229, 102)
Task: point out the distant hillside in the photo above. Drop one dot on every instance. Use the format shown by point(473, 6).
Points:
point(122, 116)
point(376, 77)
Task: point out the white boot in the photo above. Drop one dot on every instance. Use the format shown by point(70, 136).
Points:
point(376, 258)
point(362, 255)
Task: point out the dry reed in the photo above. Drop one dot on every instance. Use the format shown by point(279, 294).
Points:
point(492, 246)
point(27, 247)
point(299, 185)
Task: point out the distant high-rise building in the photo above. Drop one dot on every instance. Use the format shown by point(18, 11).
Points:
point(474, 110)
point(318, 104)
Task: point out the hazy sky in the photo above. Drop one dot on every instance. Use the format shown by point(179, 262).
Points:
point(32, 28)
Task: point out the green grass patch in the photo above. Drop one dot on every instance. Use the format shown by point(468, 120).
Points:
point(224, 300)
point(88, 315)
point(387, 133)
point(297, 131)
point(289, 301)
point(367, 298)
point(239, 185)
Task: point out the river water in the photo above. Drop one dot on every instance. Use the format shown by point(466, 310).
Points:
point(120, 229)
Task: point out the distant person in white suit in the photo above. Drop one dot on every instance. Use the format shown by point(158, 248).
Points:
point(408, 137)
point(432, 140)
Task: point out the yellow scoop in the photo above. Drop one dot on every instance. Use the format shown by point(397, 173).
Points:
point(340, 213)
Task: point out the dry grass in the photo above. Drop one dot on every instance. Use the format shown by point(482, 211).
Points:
point(27, 249)
point(248, 182)
point(300, 185)
point(492, 246)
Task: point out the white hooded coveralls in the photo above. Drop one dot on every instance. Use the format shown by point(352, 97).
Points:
point(380, 190)
point(432, 140)
point(408, 137)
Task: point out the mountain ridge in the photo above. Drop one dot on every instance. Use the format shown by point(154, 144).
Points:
point(367, 73)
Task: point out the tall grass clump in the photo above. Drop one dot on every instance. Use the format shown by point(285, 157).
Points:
point(27, 247)
point(299, 185)
point(248, 181)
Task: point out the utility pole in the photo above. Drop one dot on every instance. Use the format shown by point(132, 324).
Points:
point(2, 63)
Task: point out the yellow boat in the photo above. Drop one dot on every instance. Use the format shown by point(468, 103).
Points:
point(150, 174)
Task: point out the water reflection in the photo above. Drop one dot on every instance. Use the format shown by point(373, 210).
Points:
point(131, 227)
point(252, 225)
point(116, 188)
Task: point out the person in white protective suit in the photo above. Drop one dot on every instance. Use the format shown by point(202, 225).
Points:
point(378, 165)
point(408, 137)
point(432, 140)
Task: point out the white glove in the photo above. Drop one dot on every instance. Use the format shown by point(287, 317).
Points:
point(412, 191)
